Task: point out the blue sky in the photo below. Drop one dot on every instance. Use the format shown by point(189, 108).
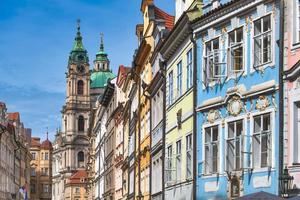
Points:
point(36, 38)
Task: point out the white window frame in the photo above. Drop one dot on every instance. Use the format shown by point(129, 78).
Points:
point(209, 68)
point(171, 87)
point(189, 152)
point(179, 79)
point(233, 46)
point(218, 142)
point(169, 164)
point(189, 69)
point(178, 160)
point(271, 163)
point(240, 138)
point(271, 34)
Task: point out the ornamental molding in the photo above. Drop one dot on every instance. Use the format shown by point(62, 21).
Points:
point(262, 103)
point(235, 106)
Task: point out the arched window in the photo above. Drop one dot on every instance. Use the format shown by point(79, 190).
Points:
point(81, 123)
point(80, 87)
point(80, 159)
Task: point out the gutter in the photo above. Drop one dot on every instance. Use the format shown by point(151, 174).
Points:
point(194, 116)
point(281, 95)
point(163, 69)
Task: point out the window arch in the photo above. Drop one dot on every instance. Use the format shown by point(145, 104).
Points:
point(80, 123)
point(80, 87)
point(80, 159)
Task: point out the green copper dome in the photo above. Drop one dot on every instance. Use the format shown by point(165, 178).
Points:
point(99, 78)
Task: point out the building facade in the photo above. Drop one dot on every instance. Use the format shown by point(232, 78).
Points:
point(41, 169)
point(237, 98)
point(291, 90)
point(8, 187)
point(156, 90)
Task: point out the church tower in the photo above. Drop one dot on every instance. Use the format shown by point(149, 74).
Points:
point(72, 142)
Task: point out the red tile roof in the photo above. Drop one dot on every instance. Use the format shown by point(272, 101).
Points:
point(169, 19)
point(14, 116)
point(77, 177)
point(35, 142)
point(122, 74)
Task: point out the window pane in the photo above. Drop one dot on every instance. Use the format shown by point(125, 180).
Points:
point(207, 135)
point(239, 35)
point(230, 155)
point(267, 23)
point(208, 48)
point(257, 51)
point(266, 122)
point(256, 151)
point(257, 27)
point(257, 124)
point(216, 44)
point(231, 38)
point(266, 48)
point(207, 157)
point(238, 58)
point(239, 128)
point(237, 154)
point(215, 133)
point(215, 157)
point(231, 130)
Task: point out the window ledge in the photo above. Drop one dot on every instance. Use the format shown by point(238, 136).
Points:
point(264, 169)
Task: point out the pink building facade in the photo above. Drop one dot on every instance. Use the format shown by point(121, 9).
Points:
point(292, 90)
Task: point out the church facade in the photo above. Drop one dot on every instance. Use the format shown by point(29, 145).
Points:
point(71, 145)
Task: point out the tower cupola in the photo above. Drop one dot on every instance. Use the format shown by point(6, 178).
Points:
point(101, 63)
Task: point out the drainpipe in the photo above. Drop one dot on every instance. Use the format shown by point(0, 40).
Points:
point(139, 134)
point(281, 97)
point(163, 70)
point(194, 115)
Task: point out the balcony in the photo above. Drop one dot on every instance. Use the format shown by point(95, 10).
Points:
point(157, 134)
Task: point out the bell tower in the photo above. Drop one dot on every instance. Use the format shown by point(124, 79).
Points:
point(76, 111)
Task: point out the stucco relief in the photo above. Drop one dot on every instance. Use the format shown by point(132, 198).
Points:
point(262, 103)
point(213, 115)
point(235, 106)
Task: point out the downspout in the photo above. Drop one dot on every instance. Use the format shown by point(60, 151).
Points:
point(163, 70)
point(281, 97)
point(139, 134)
point(194, 115)
point(150, 173)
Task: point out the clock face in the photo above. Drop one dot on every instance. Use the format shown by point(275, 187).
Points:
point(80, 68)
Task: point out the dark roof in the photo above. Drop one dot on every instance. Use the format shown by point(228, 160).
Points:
point(260, 196)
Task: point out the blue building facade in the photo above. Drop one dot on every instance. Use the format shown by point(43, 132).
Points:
point(237, 98)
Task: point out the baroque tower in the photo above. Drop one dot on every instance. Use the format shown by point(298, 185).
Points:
point(71, 144)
